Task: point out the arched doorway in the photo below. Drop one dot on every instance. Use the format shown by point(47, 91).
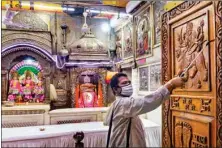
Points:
point(17, 58)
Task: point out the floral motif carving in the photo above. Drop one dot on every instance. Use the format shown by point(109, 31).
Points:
point(39, 39)
point(182, 7)
point(219, 71)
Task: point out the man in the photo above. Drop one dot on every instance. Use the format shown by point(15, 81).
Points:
point(126, 127)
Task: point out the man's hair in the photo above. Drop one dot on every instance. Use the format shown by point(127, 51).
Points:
point(115, 80)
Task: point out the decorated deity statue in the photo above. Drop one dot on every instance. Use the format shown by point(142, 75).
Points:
point(38, 89)
point(28, 86)
point(15, 87)
point(88, 96)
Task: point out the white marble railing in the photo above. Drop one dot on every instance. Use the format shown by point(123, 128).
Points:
point(25, 115)
point(77, 115)
point(33, 115)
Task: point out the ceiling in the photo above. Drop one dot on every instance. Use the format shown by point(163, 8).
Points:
point(114, 6)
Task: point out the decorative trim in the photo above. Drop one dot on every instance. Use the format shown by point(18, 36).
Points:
point(22, 112)
point(27, 47)
point(219, 71)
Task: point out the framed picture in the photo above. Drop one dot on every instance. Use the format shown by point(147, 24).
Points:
point(155, 76)
point(144, 78)
point(158, 10)
point(128, 40)
point(143, 34)
point(119, 47)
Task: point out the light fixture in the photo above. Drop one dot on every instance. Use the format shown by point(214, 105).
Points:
point(105, 27)
point(107, 12)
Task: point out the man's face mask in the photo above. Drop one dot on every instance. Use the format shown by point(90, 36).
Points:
point(127, 90)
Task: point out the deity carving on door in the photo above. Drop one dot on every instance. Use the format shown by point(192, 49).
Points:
point(189, 41)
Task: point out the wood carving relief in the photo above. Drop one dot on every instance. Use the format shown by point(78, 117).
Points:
point(186, 30)
point(196, 105)
point(186, 133)
point(218, 6)
point(183, 133)
point(189, 41)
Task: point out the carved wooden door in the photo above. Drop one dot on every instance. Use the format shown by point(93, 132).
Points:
point(193, 115)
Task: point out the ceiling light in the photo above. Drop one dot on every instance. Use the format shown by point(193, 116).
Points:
point(71, 9)
point(107, 12)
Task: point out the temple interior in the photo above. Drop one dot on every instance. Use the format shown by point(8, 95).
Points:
point(58, 57)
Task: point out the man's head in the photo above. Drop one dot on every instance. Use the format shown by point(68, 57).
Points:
point(121, 85)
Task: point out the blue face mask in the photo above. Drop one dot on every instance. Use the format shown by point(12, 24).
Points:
point(127, 91)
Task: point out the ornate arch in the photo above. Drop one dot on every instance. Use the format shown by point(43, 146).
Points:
point(41, 39)
point(9, 54)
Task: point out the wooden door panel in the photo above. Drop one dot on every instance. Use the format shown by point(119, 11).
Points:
point(192, 117)
point(188, 37)
point(191, 130)
point(199, 105)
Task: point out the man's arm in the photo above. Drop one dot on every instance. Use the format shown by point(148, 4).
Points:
point(133, 107)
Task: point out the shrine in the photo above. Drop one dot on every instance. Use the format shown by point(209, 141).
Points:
point(59, 57)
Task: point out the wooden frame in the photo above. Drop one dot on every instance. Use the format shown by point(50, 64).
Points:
point(213, 116)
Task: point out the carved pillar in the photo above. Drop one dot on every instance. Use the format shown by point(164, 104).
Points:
point(218, 7)
point(47, 82)
point(104, 86)
point(4, 84)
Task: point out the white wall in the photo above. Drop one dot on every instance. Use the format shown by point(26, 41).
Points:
point(155, 115)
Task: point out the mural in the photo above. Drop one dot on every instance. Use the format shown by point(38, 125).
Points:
point(155, 77)
point(143, 35)
point(158, 10)
point(127, 44)
point(143, 79)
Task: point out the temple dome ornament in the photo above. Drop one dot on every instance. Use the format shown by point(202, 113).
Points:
point(88, 47)
point(88, 43)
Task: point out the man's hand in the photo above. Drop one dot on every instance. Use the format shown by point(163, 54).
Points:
point(175, 82)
